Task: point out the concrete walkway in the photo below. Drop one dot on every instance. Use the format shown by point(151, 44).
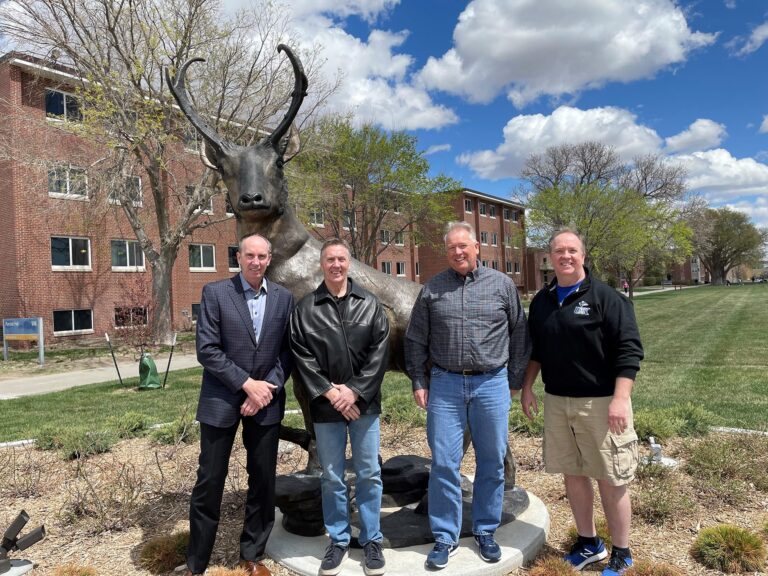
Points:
point(41, 384)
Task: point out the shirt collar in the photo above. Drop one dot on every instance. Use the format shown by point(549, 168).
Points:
point(247, 286)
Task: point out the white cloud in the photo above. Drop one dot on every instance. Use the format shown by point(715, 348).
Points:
point(437, 148)
point(553, 47)
point(701, 135)
point(756, 208)
point(528, 134)
point(721, 177)
point(764, 125)
point(756, 39)
point(368, 10)
point(730, 4)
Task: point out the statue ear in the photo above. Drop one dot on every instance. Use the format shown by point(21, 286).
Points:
point(208, 155)
point(291, 144)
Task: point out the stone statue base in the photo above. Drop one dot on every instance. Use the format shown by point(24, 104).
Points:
point(404, 520)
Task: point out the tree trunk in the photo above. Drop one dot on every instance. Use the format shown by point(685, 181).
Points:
point(162, 321)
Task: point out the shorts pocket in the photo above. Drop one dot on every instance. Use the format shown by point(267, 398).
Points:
point(624, 455)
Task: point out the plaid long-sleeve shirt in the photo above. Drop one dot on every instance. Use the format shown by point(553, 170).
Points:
point(467, 323)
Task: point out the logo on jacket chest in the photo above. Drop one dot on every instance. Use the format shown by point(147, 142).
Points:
point(582, 309)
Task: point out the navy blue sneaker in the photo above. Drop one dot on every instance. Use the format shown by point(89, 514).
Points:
point(489, 550)
point(438, 558)
point(583, 554)
point(618, 565)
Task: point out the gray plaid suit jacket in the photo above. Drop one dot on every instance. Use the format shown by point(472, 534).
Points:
point(229, 353)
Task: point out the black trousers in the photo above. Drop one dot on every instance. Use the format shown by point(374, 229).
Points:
point(205, 505)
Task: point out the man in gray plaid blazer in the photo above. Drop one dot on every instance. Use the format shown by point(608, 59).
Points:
point(242, 344)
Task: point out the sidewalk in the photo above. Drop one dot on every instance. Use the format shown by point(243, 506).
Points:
point(31, 385)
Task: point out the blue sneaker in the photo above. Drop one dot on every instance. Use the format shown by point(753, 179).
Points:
point(489, 550)
point(617, 566)
point(582, 554)
point(438, 558)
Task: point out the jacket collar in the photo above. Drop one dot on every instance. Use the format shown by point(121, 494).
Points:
point(321, 292)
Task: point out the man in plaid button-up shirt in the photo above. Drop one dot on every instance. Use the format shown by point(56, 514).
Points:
point(468, 326)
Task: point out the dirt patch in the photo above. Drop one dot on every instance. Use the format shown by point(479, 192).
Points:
point(100, 511)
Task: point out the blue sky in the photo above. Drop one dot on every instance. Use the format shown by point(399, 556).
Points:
point(485, 83)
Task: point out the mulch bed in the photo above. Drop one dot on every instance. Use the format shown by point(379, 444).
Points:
point(100, 511)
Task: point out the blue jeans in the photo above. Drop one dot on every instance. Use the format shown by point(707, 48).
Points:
point(331, 448)
point(455, 401)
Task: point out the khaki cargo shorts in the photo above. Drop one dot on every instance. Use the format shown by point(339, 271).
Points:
point(577, 440)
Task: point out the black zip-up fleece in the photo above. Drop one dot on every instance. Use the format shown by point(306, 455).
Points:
point(587, 342)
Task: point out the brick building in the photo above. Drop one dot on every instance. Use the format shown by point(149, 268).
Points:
point(70, 255)
point(500, 228)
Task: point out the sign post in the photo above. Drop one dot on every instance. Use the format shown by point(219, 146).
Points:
point(25, 329)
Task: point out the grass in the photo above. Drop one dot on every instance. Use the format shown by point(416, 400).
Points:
point(704, 345)
point(730, 549)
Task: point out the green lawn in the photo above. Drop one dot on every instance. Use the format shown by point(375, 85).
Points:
point(708, 346)
point(704, 345)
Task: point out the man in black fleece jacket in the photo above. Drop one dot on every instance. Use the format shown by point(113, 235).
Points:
point(587, 346)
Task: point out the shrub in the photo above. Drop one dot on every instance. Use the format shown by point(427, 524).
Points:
point(729, 548)
point(697, 420)
point(662, 424)
point(645, 568)
point(181, 431)
point(602, 531)
point(130, 424)
point(723, 466)
point(520, 423)
point(80, 443)
point(48, 438)
point(551, 566)
point(658, 497)
point(164, 553)
point(74, 570)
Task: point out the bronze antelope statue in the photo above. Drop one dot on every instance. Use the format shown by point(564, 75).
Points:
point(255, 180)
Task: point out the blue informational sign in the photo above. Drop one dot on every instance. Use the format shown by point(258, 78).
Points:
point(15, 329)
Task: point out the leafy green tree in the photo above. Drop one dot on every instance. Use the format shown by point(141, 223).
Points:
point(116, 51)
point(371, 185)
point(724, 239)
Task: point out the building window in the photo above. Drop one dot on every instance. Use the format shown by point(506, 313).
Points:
point(492, 211)
point(317, 217)
point(386, 267)
point(482, 209)
point(418, 269)
point(494, 239)
point(484, 263)
point(191, 139)
point(468, 205)
point(400, 238)
point(509, 267)
point(517, 267)
point(228, 203)
point(401, 268)
point(546, 278)
point(62, 106)
point(206, 207)
point(396, 206)
point(70, 253)
point(483, 237)
point(506, 213)
point(131, 191)
point(495, 264)
point(67, 182)
point(515, 215)
point(195, 311)
point(234, 266)
point(127, 256)
point(385, 236)
point(126, 316)
point(202, 258)
point(349, 220)
point(72, 322)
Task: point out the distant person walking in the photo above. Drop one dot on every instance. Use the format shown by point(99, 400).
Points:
point(625, 285)
point(587, 346)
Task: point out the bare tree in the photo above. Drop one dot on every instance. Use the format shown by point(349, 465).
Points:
point(116, 51)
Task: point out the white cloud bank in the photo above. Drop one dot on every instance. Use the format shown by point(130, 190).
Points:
point(700, 135)
point(551, 47)
point(746, 46)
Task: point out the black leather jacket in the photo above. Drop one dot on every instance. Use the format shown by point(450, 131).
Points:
point(341, 343)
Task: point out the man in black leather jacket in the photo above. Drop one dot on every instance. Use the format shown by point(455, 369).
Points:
point(339, 337)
